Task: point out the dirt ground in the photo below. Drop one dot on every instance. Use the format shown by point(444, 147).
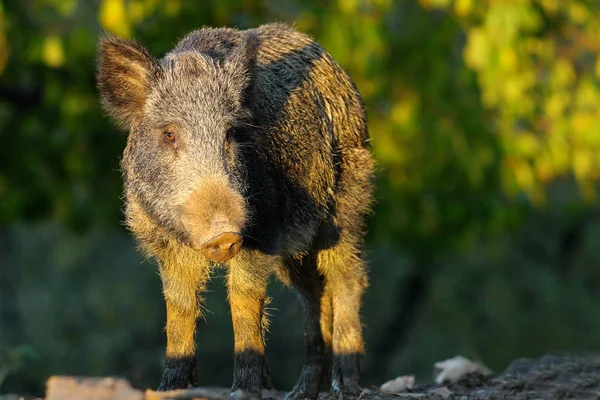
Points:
point(549, 377)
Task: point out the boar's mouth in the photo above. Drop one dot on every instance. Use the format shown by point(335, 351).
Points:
point(213, 216)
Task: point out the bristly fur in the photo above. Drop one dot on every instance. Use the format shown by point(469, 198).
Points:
point(268, 139)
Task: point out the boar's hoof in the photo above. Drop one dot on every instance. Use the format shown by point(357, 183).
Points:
point(222, 247)
point(172, 383)
point(349, 389)
point(308, 384)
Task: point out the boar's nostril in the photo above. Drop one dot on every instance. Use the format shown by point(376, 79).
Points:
point(222, 247)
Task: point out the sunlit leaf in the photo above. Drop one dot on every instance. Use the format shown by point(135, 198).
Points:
point(508, 59)
point(113, 17)
point(578, 11)
point(348, 6)
point(563, 73)
point(52, 51)
point(582, 164)
point(477, 50)
point(462, 8)
point(550, 6)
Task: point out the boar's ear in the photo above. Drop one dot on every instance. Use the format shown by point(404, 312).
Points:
point(241, 65)
point(124, 72)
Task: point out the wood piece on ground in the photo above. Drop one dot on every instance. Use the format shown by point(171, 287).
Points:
point(80, 388)
point(197, 394)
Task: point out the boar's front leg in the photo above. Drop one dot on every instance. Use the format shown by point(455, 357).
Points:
point(180, 286)
point(247, 289)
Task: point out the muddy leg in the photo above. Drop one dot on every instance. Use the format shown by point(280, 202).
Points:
point(317, 329)
point(247, 286)
point(346, 280)
point(183, 309)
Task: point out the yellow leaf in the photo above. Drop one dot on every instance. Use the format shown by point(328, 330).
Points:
point(563, 73)
point(113, 17)
point(463, 8)
point(476, 51)
point(348, 6)
point(578, 12)
point(403, 111)
point(513, 90)
point(559, 150)
point(534, 45)
point(582, 164)
point(587, 93)
point(524, 176)
point(508, 59)
point(581, 122)
point(503, 21)
point(387, 147)
point(556, 104)
point(550, 6)
point(489, 98)
point(527, 144)
point(52, 52)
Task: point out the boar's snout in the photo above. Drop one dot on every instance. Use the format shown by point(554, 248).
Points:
point(213, 215)
point(222, 247)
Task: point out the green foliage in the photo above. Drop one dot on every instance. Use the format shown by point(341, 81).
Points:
point(481, 112)
point(538, 68)
point(13, 359)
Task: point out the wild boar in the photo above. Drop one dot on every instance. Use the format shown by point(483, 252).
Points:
point(247, 149)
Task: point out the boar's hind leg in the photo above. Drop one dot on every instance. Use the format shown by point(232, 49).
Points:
point(266, 372)
point(345, 280)
point(247, 287)
point(183, 309)
point(316, 372)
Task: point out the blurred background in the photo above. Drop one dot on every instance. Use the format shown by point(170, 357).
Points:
point(485, 119)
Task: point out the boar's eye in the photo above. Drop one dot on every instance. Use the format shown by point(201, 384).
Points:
point(168, 137)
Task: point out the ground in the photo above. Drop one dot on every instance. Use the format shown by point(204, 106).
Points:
point(549, 377)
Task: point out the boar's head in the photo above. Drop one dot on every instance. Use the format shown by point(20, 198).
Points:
point(182, 161)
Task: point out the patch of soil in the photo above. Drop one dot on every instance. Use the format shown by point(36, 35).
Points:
point(549, 377)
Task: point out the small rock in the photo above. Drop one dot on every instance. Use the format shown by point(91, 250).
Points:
point(452, 369)
point(399, 384)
